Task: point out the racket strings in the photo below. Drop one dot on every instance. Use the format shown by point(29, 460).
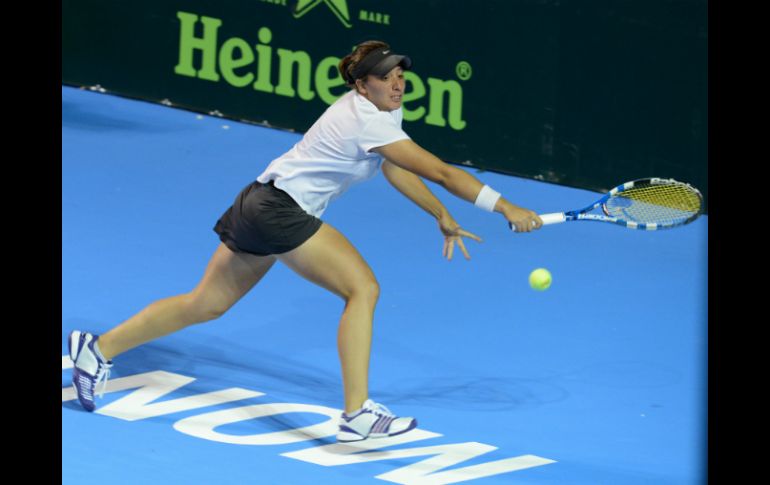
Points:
point(660, 203)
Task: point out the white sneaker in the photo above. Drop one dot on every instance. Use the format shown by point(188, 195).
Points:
point(372, 421)
point(90, 368)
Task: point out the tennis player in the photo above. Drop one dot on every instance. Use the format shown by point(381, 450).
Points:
point(277, 218)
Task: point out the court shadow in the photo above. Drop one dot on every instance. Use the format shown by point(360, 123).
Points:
point(80, 116)
point(73, 406)
point(77, 117)
point(232, 365)
point(477, 393)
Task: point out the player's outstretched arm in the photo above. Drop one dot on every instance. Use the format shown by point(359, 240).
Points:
point(415, 189)
point(408, 155)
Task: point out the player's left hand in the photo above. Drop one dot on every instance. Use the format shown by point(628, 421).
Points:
point(453, 233)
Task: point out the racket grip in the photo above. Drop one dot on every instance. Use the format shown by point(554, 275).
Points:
point(552, 218)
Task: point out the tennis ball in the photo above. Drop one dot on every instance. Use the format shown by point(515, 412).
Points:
point(540, 279)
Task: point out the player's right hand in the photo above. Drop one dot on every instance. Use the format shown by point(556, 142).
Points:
point(523, 219)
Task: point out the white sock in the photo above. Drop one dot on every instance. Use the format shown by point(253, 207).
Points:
point(354, 413)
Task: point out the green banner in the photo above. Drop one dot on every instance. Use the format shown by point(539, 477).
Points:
point(535, 88)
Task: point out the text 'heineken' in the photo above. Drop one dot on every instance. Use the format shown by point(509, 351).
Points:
point(241, 65)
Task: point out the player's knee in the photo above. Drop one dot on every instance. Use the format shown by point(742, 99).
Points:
point(212, 313)
point(367, 290)
point(205, 309)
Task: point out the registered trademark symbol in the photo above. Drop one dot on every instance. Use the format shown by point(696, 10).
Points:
point(463, 70)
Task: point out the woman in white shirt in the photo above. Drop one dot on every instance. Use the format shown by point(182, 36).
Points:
point(276, 217)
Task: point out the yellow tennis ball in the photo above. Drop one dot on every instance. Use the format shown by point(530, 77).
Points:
point(540, 279)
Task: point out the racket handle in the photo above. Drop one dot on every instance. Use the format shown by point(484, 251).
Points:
point(553, 218)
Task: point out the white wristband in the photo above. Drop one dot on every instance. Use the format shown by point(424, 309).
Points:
point(487, 199)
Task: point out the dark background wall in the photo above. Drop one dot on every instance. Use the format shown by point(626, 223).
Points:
point(583, 93)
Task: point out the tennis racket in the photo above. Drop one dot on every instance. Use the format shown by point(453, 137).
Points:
point(647, 204)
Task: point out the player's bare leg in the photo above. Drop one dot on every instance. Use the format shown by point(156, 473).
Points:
point(227, 278)
point(330, 260)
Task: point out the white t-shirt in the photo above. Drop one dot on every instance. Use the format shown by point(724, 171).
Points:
point(334, 154)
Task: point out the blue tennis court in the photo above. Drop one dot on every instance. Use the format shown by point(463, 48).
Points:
point(599, 380)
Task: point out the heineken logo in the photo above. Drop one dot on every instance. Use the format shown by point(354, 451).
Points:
point(261, 66)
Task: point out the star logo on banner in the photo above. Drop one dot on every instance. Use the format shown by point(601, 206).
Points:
point(338, 7)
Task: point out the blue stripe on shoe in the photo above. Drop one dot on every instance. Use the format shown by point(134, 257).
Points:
point(382, 424)
point(347, 429)
point(351, 417)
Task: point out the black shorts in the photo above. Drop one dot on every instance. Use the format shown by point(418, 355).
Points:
point(265, 220)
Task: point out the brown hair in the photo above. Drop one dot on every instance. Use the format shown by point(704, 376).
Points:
point(349, 62)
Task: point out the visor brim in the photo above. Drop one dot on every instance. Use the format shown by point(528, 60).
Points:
point(386, 65)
